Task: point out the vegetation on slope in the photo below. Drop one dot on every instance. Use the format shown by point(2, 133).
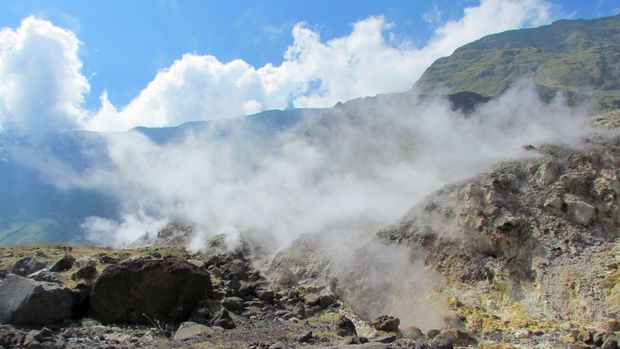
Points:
point(578, 57)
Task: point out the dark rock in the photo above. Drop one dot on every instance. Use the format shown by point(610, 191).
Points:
point(29, 265)
point(218, 294)
point(432, 333)
point(345, 327)
point(305, 338)
point(299, 310)
point(326, 299)
point(214, 261)
point(201, 315)
point(223, 320)
point(27, 302)
point(386, 323)
point(63, 264)
point(88, 273)
point(105, 259)
point(81, 296)
point(144, 290)
point(236, 271)
point(351, 340)
point(46, 276)
point(233, 287)
point(266, 295)
point(247, 288)
point(386, 339)
point(441, 342)
point(232, 303)
point(42, 336)
point(280, 312)
point(458, 337)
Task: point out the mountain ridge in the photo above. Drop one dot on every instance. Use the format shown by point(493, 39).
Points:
point(577, 57)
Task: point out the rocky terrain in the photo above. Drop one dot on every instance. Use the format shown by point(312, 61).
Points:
point(524, 255)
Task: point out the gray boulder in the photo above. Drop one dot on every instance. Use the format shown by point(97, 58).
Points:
point(192, 330)
point(27, 302)
point(29, 265)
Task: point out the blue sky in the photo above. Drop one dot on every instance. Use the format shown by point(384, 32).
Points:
point(125, 43)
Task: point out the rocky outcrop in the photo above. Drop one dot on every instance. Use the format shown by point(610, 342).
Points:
point(27, 302)
point(529, 228)
point(145, 290)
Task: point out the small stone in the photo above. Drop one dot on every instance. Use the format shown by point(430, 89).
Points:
point(224, 320)
point(105, 259)
point(232, 303)
point(412, 332)
point(441, 342)
point(266, 295)
point(299, 310)
point(345, 327)
point(190, 330)
point(201, 315)
point(247, 288)
point(386, 339)
point(523, 333)
point(386, 323)
point(458, 337)
point(454, 320)
point(311, 299)
point(305, 338)
point(432, 333)
point(278, 345)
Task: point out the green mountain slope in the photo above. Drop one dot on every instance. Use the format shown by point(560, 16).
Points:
point(580, 57)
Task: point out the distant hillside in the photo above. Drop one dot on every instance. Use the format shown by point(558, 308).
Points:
point(580, 57)
point(33, 210)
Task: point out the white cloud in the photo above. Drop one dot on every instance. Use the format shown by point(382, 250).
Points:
point(433, 16)
point(314, 73)
point(41, 83)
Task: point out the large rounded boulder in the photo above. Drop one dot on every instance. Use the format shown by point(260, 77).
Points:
point(144, 290)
